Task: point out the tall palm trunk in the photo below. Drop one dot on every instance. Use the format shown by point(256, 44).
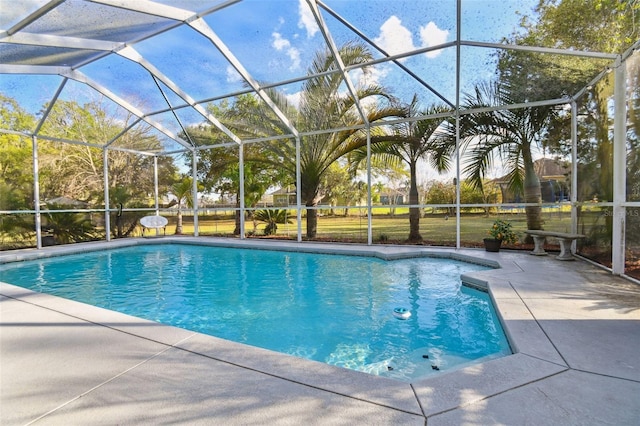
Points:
point(309, 194)
point(236, 230)
point(119, 224)
point(179, 221)
point(312, 220)
point(414, 212)
point(532, 193)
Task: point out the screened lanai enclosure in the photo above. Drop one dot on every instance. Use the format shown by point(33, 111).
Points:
point(374, 122)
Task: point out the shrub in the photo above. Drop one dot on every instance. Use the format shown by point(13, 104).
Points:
point(501, 230)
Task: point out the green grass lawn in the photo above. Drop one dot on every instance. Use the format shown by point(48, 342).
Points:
point(388, 225)
point(437, 229)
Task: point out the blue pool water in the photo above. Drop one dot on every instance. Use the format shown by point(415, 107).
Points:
point(330, 308)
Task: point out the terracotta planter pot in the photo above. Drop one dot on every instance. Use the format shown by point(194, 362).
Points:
point(492, 245)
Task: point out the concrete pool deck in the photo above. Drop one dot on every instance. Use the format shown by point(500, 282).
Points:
point(574, 328)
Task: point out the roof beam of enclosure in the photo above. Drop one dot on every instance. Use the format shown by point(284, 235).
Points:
point(125, 51)
point(122, 132)
point(269, 86)
point(270, 138)
point(48, 40)
point(313, 6)
point(203, 28)
point(102, 48)
point(136, 152)
point(33, 69)
point(534, 49)
point(154, 9)
point(218, 145)
point(71, 74)
point(173, 112)
point(532, 104)
point(619, 60)
point(537, 49)
point(131, 54)
point(82, 78)
point(15, 132)
point(385, 53)
point(592, 83)
point(194, 20)
point(69, 141)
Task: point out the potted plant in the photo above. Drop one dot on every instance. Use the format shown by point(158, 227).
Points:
point(500, 231)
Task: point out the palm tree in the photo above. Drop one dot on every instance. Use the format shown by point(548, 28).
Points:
point(272, 218)
point(69, 227)
point(509, 135)
point(410, 142)
point(183, 191)
point(324, 104)
point(121, 195)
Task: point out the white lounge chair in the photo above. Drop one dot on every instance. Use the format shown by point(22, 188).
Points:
point(154, 222)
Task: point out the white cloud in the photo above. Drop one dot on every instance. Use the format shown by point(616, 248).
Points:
point(294, 99)
point(395, 38)
point(373, 75)
point(294, 55)
point(278, 42)
point(431, 35)
point(307, 21)
point(282, 44)
point(232, 75)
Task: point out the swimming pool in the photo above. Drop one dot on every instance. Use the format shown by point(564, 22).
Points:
point(331, 308)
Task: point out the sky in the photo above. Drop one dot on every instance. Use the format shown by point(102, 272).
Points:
point(274, 41)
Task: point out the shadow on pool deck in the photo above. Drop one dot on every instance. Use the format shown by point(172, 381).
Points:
point(575, 330)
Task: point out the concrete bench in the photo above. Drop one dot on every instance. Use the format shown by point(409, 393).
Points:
point(154, 222)
point(565, 240)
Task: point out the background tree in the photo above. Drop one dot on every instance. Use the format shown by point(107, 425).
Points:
point(16, 174)
point(16, 170)
point(470, 194)
point(377, 189)
point(342, 188)
point(357, 195)
point(219, 171)
point(439, 192)
point(608, 26)
point(183, 191)
point(410, 142)
point(633, 150)
point(67, 227)
point(592, 25)
point(508, 135)
point(324, 104)
point(272, 218)
point(118, 197)
point(76, 171)
point(396, 182)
